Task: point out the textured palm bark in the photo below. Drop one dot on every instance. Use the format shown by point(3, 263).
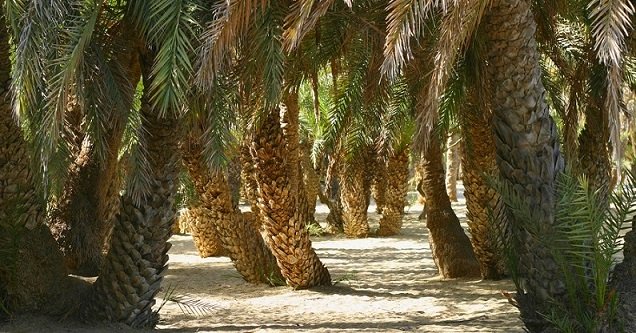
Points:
point(485, 209)
point(286, 233)
point(32, 269)
point(451, 248)
point(397, 178)
point(354, 198)
point(594, 152)
point(528, 152)
point(202, 228)
point(452, 166)
point(136, 263)
point(237, 232)
point(291, 132)
point(379, 183)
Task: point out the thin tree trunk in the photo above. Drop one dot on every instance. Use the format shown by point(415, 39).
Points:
point(452, 166)
point(528, 152)
point(135, 266)
point(486, 216)
point(311, 179)
point(331, 197)
point(238, 233)
point(452, 251)
point(397, 177)
point(286, 233)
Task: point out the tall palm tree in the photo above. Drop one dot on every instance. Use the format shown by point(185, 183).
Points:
point(396, 182)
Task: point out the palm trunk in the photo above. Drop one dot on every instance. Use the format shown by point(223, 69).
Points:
point(287, 235)
point(594, 152)
point(331, 197)
point(354, 197)
point(451, 248)
point(250, 188)
point(238, 234)
point(311, 181)
point(84, 215)
point(452, 166)
point(528, 152)
point(379, 183)
point(486, 216)
point(202, 227)
point(291, 132)
point(397, 177)
point(31, 265)
point(134, 267)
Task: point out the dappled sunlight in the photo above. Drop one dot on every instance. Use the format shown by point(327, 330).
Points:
point(381, 284)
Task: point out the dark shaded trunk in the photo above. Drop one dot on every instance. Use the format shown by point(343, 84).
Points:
point(32, 272)
point(331, 197)
point(486, 216)
point(84, 215)
point(528, 153)
point(451, 248)
point(136, 263)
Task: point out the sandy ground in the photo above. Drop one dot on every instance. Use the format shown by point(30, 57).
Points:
point(382, 285)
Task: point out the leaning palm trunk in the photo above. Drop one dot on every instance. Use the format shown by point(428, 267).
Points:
point(486, 216)
point(31, 265)
point(397, 177)
point(136, 263)
point(354, 198)
point(451, 248)
point(237, 232)
point(452, 166)
point(528, 152)
point(287, 235)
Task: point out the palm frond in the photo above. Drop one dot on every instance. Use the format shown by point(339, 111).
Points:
point(231, 19)
point(611, 23)
point(171, 27)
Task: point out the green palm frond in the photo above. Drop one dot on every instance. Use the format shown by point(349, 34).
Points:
point(172, 28)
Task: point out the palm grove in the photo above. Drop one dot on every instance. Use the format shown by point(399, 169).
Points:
point(109, 107)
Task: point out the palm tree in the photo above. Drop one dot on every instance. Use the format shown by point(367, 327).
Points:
point(353, 196)
point(32, 265)
point(237, 232)
point(286, 233)
point(397, 174)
